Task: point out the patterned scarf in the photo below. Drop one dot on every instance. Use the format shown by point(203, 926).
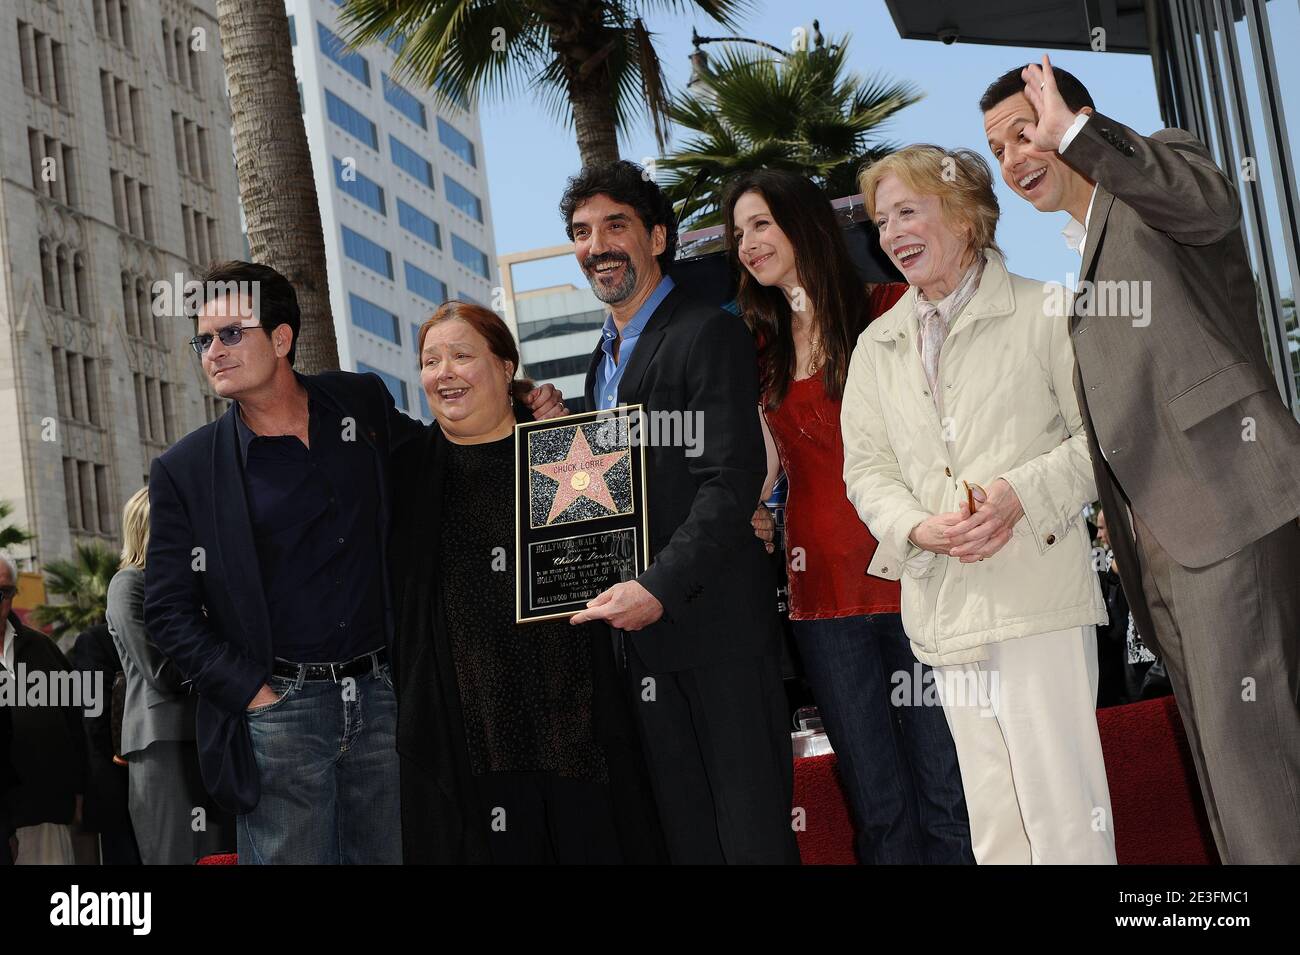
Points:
point(935, 319)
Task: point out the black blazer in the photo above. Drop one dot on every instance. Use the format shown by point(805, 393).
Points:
point(49, 743)
point(708, 569)
point(204, 605)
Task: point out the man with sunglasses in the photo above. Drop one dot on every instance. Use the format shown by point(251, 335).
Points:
point(267, 584)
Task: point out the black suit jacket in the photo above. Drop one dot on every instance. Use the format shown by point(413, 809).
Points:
point(8, 780)
point(709, 571)
point(204, 604)
point(49, 744)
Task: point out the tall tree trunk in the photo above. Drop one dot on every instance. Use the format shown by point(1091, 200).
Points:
point(274, 167)
point(593, 122)
point(582, 44)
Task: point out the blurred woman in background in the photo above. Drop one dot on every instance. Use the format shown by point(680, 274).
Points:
point(165, 785)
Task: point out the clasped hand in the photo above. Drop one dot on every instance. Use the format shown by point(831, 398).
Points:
point(971, 537)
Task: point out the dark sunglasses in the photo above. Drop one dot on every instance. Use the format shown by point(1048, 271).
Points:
point(230, 335)
point(7, 592)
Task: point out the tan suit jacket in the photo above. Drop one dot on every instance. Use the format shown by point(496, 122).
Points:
point(1184, 417)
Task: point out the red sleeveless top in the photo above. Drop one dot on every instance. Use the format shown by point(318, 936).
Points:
point(828, 548)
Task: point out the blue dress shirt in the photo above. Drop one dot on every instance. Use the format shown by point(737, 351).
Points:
point(610, 372)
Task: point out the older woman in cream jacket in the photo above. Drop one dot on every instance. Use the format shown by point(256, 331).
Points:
point(963, 393)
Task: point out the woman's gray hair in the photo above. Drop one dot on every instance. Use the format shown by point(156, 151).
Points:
point(9, 562)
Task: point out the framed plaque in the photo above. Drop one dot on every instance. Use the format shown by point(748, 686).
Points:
point(580, 510)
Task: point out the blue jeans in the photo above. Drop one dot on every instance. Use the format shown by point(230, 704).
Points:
point(327, 756)
point(897, 763)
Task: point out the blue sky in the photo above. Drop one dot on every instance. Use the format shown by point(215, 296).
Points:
point(529, 154)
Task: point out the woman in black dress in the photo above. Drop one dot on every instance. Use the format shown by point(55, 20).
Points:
point(514, 741)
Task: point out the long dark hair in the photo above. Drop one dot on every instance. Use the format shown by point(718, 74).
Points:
point(830, 281)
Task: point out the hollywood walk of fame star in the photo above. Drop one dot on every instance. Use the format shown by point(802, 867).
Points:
point(580, 474)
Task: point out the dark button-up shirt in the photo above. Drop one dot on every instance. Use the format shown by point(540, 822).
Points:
point(315, 514)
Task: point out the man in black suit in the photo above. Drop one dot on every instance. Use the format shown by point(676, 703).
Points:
point(698, 628)
point(47, 777)
point(266, 584)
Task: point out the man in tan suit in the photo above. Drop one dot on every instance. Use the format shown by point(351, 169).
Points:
point(1197, 459)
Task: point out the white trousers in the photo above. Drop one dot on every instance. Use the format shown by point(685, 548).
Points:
point(47, 843)
point(1025, 726)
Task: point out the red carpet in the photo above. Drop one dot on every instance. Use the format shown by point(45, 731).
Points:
point(1159, 816)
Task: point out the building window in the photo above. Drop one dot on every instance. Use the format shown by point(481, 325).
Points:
point(169, 54)
point(142, 408)
point(192, 67)
point(559, 367)
point(351, 62)
point(456, 141)
point(469, 256)
point(418, 224)
point(132, 205)
point(72, 493)
point(170, 423)
point(425, 285)
point(370, 254)
point(62, 394)
point(127, 35)
point(395, 41)
point(108, 93)
point(27, 57)
point(411, 162)
point(462, 198)
point(405, 102)
point(376, 320)
point(351, 120)
point(359, 187)
point(293, 31)
point(396, 386)
point(104, 495)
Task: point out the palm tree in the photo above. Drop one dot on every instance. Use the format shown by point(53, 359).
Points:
point(592, 62)
point(274, 168)
point(10, 534)
point(84, 582)
point(802, 112)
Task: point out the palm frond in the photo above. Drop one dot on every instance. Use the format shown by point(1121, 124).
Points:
point(83, 581)
point(805, 112)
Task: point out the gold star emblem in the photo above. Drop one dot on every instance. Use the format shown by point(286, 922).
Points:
point(580, 474)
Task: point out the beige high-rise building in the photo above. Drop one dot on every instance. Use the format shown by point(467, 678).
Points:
point(115, 172)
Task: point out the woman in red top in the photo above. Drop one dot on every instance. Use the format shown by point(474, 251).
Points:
point(800, 294)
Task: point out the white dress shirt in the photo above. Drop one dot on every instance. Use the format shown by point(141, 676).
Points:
point(10, 636)
point(1076, 232)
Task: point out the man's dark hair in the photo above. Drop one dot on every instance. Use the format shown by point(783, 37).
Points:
point(624, 182)
point(1074, 93)
point(276, 297)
